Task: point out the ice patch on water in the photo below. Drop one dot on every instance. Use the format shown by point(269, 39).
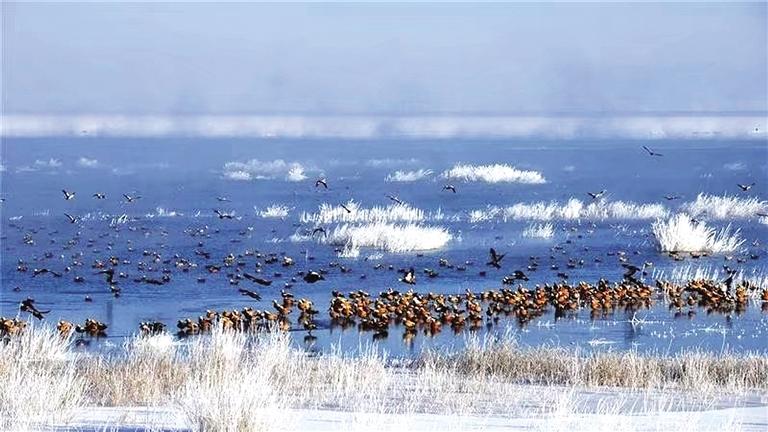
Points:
point(258, 169)
point(680, 234)
point(389, 237)
point(237, 175)
point(495, 173)
point(542, 231)
point(274, 211)
point(735, 166)
point(573, 209)
point(376, 163)
point(725, 207)
point(50, 163)
point(409, 176)
point(87, 163)
point(328, 213)
point(162, 212)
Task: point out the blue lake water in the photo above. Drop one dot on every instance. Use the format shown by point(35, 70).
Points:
point(180, 179)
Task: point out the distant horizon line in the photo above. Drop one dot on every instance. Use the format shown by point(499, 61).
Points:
point(640, 125)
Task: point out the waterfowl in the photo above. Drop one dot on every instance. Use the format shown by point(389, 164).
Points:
point(395, 199)
point(72, 219)
point(321, 182)
point(410, 277)
point(651, 152)
point(68, 195)
point(313, 276)
point(495, 259)
point(596, 195)
point(745, 187)
point(251, 294)
point(28, 305)
point(258, 280)
point(129, 198)
point(450, 187)
point(223, 215)
point(98, 195)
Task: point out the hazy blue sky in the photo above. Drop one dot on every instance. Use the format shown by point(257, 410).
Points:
point(240, 58)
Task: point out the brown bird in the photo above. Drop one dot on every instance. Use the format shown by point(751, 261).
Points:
point(251, 294)
point(28, 305)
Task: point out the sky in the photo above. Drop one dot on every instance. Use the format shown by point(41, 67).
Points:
point(203, 58)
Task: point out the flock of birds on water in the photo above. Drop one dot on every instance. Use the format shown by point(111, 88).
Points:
point(405, 308)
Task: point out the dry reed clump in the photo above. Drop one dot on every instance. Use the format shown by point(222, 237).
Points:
point(230, 381)
point(696, 371)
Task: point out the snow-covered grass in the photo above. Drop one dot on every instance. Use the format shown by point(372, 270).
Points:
point(349, 251)
point(680, 234)
point(571, 210)
point(536, 230)
point(725, 207)
point(274, 211)
point(389, 237)
point(409, 176)
point(328, 213)
point(238, 382)
point(496, 173)
point(39, 379)
point(296, 174)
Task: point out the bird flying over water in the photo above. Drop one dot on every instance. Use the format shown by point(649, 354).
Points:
point(651, 152)
point(450, 187)
point(129, 198)
point(596, 195)
point(321, 182)
point(223, 215)
point(28, 305)
point(222, 199)
point(671, 197)
point(72, 219)
point(68, 195)
point(320, 230)
point(345, 208)
point(395, 199)
point(99, 195)
point(495, 259)
point(258, 280)
point(249, 293)
point(745, 187)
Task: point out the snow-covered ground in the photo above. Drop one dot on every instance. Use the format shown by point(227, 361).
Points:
point(751, 418)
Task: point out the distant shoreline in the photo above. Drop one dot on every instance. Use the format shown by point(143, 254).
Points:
point(706, 126)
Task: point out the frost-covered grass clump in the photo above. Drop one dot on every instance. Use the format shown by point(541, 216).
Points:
point(409, 176)
point(352, 212)
point(680, 234)
point(496, 173)
point(573, 209)
point(388, 237)
point(539, 230)
point(274, 211)
point(725, 207)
